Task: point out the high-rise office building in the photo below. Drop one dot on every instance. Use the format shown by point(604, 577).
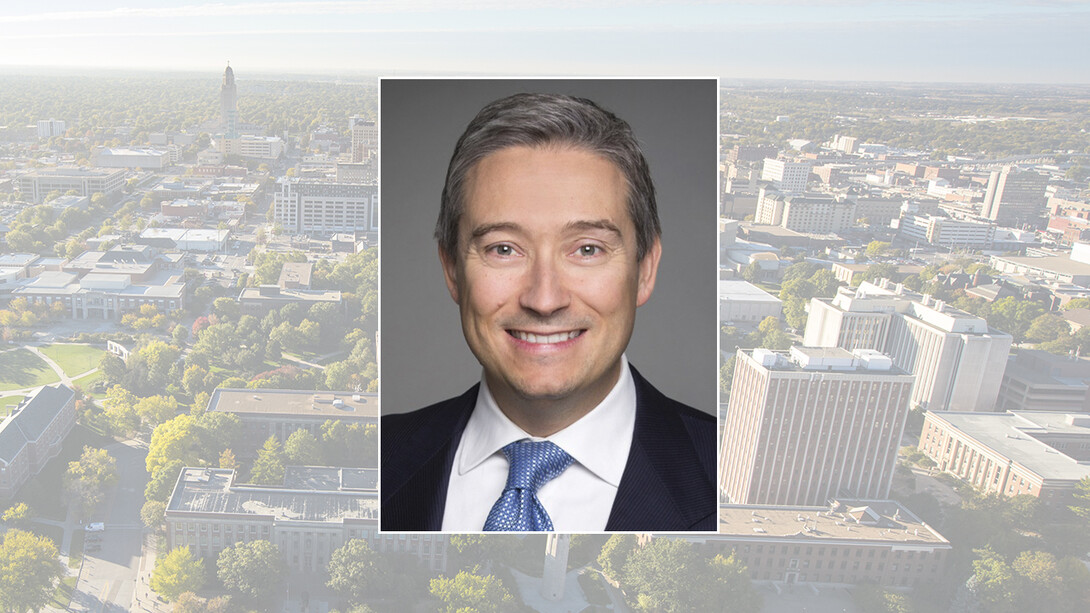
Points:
point(809, 214)
point(229, 103)
point(957, 359)
point(48, 128)
point(1015, 197)
point(364, 138)
point(324, 207)
point(785, 175)
point(817, 423)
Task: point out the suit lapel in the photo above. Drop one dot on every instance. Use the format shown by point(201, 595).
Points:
point(663, 486)
point(418, 503)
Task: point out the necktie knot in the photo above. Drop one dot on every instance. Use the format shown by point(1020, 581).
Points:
point(532, 464)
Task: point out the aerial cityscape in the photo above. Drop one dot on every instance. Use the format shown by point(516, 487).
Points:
point(189, 316)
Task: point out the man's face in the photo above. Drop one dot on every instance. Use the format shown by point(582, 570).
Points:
point(546, 276)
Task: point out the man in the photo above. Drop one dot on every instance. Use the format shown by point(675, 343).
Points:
point(549, 240)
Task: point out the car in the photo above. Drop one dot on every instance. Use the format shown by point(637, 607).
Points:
point(95, 527)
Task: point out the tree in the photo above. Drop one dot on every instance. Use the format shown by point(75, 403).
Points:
point(877, 248)
point(302, 448)
point(193, 379)
point(1012, 315)
point(1081, 495)
point(770, 334)
point(268, 468)
point(872, 598)
point(1047, 327)
point(29, 567)
point(349, 444)
point(119, 406)
point(355, 570)
point(752, 272)
point(879, 271)
point(87, 479)
point(794, 312)
point(471, 592)
point(479, 549)
point(188, 602)
point(253, 569)
point(1077, 303)
point(656, 573)
point(615, 554)
point(174, 440)
point(226, 309)
point(18, 515)
point(154, 410)
point(162, 481)
point(177, 572)
point(1041, 581)
point(112, 367)
point(227, 460)
point(153, 513)
point(993, 581)
point(180, 334)
point(726, 375)
point(728, 581)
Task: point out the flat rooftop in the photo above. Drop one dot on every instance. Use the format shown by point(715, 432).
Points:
point(1011, 435)
point(743, 291)
point(72, 171)
point(208, 490)
point(872, 521)
point(330, 478)
point(304, 295)
point(327, 405)
point(1061, 264)
point(295, 272)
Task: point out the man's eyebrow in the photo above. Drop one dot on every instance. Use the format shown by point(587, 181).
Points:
point(487, 228)
point(594, 224)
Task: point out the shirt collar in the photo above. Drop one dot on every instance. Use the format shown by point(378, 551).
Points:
point(489, 430)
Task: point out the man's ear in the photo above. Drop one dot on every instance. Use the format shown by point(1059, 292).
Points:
point(648, 270)
point(450, 273)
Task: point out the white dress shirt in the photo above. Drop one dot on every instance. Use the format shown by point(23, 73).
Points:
point(580, 498)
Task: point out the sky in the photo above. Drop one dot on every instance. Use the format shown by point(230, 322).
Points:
point(990, 41)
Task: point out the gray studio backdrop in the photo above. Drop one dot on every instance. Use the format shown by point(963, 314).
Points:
point(423, 355)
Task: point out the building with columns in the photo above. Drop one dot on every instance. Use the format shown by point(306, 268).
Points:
point(1039, 453)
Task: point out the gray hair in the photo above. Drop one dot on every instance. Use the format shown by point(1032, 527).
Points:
point(537, 120)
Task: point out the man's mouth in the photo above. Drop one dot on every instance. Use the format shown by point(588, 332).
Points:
point(544, 339)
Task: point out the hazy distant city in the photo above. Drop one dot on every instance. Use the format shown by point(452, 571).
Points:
point(189, 381)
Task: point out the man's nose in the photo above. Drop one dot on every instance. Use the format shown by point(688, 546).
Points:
point(545, 291)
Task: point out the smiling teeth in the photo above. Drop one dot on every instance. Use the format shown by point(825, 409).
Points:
point(545, 339)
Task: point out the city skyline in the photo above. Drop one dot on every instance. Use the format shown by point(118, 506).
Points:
point(1020, 41)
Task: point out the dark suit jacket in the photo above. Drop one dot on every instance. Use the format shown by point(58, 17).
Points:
point(668, 483)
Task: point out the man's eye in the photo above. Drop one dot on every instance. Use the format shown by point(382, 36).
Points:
point(502, 250)
point(589, 250)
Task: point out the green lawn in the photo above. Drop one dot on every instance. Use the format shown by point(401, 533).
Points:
point(20, 368)
point(74, 359)
point(86, 382)
point(75, 551)
point(5, 401)
point(62, 597)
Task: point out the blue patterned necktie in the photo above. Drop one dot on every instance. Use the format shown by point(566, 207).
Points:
point(532, 465)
